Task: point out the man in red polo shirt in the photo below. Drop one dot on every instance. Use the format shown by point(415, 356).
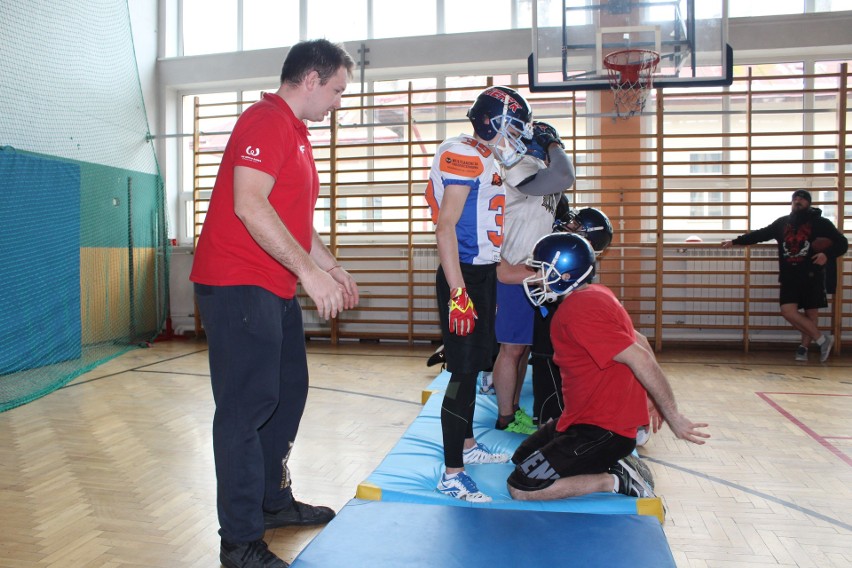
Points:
point(608, 374)
point(257, 242)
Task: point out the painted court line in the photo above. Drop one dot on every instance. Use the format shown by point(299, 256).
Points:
point(822, 440)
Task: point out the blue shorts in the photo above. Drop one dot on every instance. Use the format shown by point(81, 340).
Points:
point(515, 314)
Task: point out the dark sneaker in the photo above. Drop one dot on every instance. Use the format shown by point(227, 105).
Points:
point(801, 353)
point(253, 554)
point(437, 357)
point(639, 465)
point(299, 514)
point(629, 481)
point(825, 348)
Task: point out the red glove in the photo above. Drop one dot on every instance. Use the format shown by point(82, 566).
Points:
point(462, 313)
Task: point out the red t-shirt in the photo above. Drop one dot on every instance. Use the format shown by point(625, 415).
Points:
point(588, 330)
point(267, 137)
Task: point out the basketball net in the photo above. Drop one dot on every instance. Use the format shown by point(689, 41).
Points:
point(631, 78)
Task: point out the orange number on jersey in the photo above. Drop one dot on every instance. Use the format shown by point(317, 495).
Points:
point(498, 204)
point(483, 150)
point(433, 203)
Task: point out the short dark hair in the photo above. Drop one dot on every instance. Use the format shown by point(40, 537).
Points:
point(318, 55)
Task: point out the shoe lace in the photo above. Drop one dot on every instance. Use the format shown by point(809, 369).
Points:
point(467, 482)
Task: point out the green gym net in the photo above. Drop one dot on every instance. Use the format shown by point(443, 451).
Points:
point(83, 240)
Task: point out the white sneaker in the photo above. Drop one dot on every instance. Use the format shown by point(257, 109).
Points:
point(643, 434)
point(486, 382)
point(825, 348)
point(481, 454)
point(461, 486)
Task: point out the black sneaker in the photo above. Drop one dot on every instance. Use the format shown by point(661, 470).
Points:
point(437, 357)
point(299, 514)
point(629, 481)
point(639, 465)
point(253, 554)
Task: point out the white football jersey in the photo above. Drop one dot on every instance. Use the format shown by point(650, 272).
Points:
point(528, 217)
point(465, 161)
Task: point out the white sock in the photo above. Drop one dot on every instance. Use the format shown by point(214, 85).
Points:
point(821, 340)
point(616, 483)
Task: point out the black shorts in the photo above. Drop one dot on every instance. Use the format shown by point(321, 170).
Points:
point(548, 455)
point(474, 352)
point(806, 289)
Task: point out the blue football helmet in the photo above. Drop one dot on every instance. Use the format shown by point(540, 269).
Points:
point(562, 261)
point(588, 222)
point(535, 150)
point(543, 134)
point(502, 117)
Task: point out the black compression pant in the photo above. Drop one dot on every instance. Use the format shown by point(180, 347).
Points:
point(457, 416)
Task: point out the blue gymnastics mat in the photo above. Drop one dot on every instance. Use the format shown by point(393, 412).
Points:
point(385, 534)
point(410, 471)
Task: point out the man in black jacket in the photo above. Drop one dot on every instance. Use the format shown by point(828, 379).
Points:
point(806, 242)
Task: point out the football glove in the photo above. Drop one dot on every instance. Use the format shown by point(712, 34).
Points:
point(545, 135)
point(462, 313)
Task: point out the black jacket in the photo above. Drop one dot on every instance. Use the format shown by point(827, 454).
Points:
point(794, 234)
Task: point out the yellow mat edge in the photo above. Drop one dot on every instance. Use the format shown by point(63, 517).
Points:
point(651, 506)
point(368, 491)
point(425, 394)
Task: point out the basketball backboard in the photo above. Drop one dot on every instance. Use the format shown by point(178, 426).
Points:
point(571, 38)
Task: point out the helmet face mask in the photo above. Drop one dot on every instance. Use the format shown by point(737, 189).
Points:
point(502, 118)
point(508, 145)
point(590, 223)
point(563, 262)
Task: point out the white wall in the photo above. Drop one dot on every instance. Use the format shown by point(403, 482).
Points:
point(143, 22)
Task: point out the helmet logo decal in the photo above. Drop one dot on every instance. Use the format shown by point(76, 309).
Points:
point(503, 97)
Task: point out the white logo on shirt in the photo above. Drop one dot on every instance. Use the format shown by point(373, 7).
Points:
point(251, 155)
point(302, 148)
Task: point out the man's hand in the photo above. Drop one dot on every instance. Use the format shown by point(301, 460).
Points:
point(325, 291)
point(727, 244)
point(462, 313)
point(350, 288)
point(685, 429)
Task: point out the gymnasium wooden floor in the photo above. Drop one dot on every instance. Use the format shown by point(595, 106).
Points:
point(115, 469)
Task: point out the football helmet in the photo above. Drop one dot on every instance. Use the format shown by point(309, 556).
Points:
point(588, 222)
point(502, 117)
point(562, 261)
point(563, 211)
point(534, 149)
point(543, 135)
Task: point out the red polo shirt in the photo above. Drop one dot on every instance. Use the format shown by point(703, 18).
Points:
point(267, 137)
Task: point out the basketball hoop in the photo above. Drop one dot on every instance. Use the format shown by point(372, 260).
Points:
point(631, 77)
